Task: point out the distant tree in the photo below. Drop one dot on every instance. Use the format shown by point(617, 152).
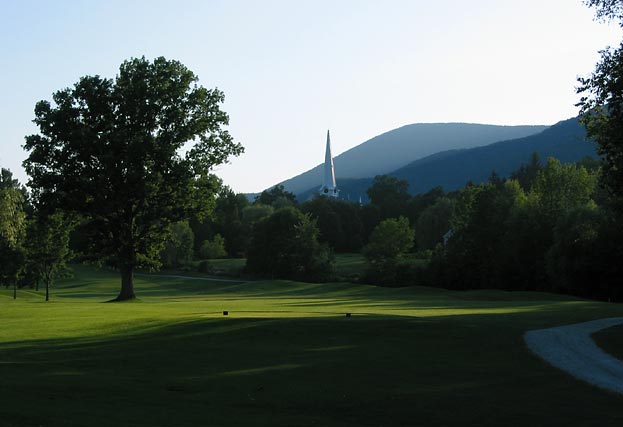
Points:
point(285, 245)
point(178, 249)
point(277, 197)
point(391, 239)
point(591, 164)
point(495, 179)
point(526, 173)
point(213, 248)
point(420, 202)
point(390, 195)
point(559, 187)
point(254, 213)
point(339, 222)
point(389, 242)
point(228, 221)
point(474, 256)
point(370, 218)
point(433, 223)
point(47, 247)
point(130, 155)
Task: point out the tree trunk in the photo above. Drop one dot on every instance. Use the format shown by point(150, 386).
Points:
point(14, 290)
point(127, 284)
point(47, 290)
point(37, 285)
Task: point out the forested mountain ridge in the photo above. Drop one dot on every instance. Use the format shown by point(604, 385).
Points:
point(397, 148)
point(451, 169)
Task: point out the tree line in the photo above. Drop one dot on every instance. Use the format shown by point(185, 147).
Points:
point(121, 173)
point(548, 227)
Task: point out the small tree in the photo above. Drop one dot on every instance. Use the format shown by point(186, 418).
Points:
point(213, 248)
point(47, 247)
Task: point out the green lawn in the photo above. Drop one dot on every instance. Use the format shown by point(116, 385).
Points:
point(287, 356)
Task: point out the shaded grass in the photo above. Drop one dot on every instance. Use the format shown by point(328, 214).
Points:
point(286, 355)
point(346, 265)
point(353, 264)
point(610, 340)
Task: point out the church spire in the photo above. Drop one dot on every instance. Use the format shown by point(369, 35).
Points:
point(328, 178)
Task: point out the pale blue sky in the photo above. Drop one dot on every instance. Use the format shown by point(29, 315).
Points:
point(291, 70)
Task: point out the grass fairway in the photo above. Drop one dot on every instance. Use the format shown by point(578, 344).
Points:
point(287, 356)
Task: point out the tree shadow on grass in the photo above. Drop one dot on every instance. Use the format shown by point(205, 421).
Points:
point(304, 371)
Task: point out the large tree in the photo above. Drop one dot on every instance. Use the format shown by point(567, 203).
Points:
point(131, 154)
point(601, 104)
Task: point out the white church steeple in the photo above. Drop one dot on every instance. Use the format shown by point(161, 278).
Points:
point(328, 178)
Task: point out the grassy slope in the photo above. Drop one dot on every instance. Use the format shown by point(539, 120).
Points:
point(286, 356)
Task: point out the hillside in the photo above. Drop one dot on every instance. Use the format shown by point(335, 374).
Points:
point(451, 169)
point(394, 149)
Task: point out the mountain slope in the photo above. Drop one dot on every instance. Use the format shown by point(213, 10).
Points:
point(451, 169)
point(394, 149)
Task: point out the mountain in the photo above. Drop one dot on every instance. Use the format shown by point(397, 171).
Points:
point(397, 148)
point(452, 169)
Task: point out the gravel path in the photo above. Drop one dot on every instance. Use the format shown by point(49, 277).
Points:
point(571, 349)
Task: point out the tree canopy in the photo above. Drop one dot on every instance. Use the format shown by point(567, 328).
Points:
point(601, 104)
point(132, 155)
point(285, 245)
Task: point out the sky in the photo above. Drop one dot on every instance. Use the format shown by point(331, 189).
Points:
point(290, 70)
